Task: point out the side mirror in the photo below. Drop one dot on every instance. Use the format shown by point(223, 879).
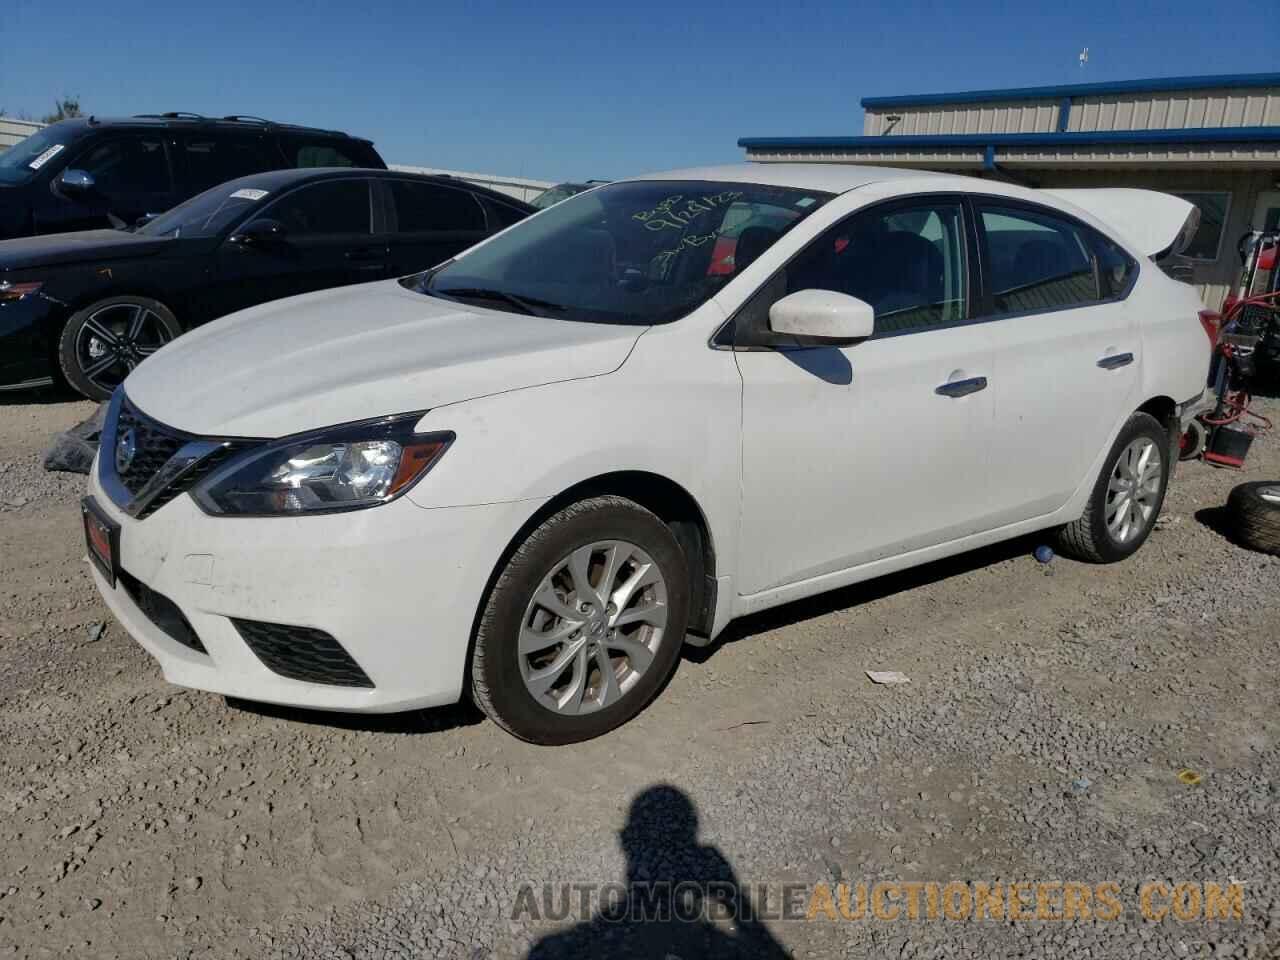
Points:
point(143, 220)
point(76, 181)
point(814, 318)
point(259, 233)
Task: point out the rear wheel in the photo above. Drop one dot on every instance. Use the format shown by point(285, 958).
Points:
point(104, 342)
point(1127, 497)
point(583, 625)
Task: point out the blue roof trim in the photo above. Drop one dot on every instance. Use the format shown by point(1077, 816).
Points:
point(892, 143)
point(1152, 85)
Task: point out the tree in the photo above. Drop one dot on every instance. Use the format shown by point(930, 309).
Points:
point(63, 109)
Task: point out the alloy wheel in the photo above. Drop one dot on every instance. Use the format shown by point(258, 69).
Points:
point(1133, 492)
point(593, 627)
point(113, 340)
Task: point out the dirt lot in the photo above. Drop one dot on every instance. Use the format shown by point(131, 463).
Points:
point(1050, 711)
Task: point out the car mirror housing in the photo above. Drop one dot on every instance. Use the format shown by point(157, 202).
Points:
point(811, 318)
point(259, 233)
point(77, 181)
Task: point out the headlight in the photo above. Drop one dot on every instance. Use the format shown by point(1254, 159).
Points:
point(16, 291)
point(341, 468)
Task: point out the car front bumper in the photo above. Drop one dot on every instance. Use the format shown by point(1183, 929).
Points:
point(26, 344)
point(397, 586)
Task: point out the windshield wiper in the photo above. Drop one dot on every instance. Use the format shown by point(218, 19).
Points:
point(529, 305)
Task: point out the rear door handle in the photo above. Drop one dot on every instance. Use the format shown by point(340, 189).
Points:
point(1116, 361)
point(962, 388)
point(367, 253)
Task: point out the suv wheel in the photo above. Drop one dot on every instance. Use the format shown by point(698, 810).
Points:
point(1126, 498)
point(106, 340)
point(584, 624)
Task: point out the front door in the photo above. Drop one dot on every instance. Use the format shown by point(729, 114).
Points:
point(132, 176)
point(856, 454)
point(327, 240)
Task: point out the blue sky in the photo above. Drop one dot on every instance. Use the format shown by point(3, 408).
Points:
point(561, 90)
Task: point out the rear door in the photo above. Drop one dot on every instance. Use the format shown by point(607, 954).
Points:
point(427, 223)
point(1067, 351)
point(328, 240)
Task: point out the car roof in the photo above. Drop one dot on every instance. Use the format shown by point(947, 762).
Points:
point(276, 180)
point(827, 177)
point(246, 124)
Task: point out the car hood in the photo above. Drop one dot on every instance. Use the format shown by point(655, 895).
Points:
point(356, 353)
point(94, 246)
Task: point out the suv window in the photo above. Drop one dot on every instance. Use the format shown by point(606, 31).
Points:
point(501, 215)
point(214, 160)
point(1037, 261)
point(332, 206)
point(128, 165)
point(302, 151)
point(908, 263)
point(429, 207)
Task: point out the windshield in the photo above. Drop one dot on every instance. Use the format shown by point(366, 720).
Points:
point(629, 253)
point(21, 162)
point(206, 214)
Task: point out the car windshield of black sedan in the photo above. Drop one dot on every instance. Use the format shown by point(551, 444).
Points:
point(629, 253)
point(24, 159)
point(206, 214)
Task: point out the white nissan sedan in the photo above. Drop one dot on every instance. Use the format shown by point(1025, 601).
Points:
point(533, 472)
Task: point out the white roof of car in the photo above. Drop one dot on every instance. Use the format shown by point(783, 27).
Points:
point(828, 177)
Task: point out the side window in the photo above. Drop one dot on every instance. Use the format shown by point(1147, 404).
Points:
point(1115, 267)
point(1037, 261)
point(128, 164)
point(428, 208)
point(305, 152)
point(502, 216)
point(908, 263)
point(211, 160)
point(332, 206)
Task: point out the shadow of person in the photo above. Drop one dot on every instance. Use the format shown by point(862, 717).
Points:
point(681, 899)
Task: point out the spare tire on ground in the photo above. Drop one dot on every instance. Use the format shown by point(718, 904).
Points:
point(1253, 510)
point(73, 451)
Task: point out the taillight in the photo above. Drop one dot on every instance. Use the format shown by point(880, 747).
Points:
point(1211, 320)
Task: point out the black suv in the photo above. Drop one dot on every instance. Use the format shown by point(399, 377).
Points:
point(88, 173)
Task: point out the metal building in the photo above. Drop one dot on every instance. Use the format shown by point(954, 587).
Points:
point(1214, 140)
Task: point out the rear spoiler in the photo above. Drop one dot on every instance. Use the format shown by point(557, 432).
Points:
point(1158, 224)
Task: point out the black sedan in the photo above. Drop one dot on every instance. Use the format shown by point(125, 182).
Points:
point(86, 308)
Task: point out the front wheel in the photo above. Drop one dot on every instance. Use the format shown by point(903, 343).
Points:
point(104, 342)
point(1127, 497)
point(584, 623)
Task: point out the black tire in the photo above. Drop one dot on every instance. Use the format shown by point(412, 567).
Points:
point(1192, 441)
point(1253, 510)
point(78, 359)
point(1088, 538)
point(497, 679)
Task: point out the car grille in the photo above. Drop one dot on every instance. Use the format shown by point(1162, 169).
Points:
point(162, 612)
point(302, 653)
point(155, 445)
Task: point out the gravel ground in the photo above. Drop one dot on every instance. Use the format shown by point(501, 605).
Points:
point(1049, 714)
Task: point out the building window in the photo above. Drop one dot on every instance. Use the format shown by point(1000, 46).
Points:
point(1207, 243)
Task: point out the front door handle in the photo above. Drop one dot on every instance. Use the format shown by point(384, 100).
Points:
point(962, 388)
point(1116, 361)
